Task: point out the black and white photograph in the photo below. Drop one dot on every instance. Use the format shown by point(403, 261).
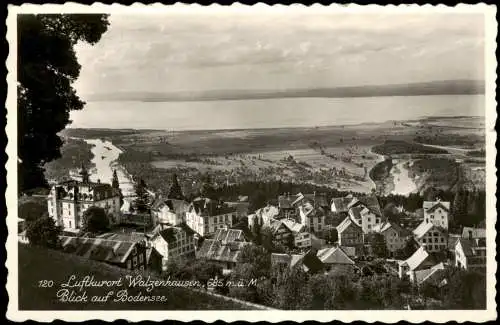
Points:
point(326, 160)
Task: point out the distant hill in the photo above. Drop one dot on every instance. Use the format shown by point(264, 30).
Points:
point(446, 87)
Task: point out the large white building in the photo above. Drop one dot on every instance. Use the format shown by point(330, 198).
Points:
point(436, 212)
point(205, 216)
point(67, 201)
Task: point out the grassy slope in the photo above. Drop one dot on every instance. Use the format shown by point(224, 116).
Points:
point(37, 264)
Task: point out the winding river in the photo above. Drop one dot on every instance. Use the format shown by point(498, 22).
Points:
point(403, 183)
point(105, 155)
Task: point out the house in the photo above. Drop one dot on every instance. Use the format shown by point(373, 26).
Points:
point(308, 261)
point(334, 257)
point(365, 210)
point(437, 212)
point(205, 216)
point(340, 205)
point(395, 236)
point(68, 200)
point(433, 275)
point(432, 236)
point(302, 238)
point(281, 233)
point(169, 211)
point(350, 233)
point(420, 260)
point(470, 253)
point(286, 209)
point(263, 216)
point(313, 209)
point(172, 242)
point(473, 233)
point(224, 248)
point(130, 255)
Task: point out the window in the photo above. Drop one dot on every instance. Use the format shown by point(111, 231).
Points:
point(424, 240)
point(442, 239)
point(142, 267)
point(141, 258)
point(135, 261)
point(129, 264)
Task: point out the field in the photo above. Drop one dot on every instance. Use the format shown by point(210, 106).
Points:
point(334, 156)
point(36, 264)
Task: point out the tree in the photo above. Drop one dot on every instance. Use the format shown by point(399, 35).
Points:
point(379, 246)
point(47, 67)
point(203, 270)
point(142, 200)
point(114, 182)
point(292, 289)
point(43, 232)
point(465, 290)
point(409, 248)
point(31, 211)
point(95, 220)
point(175, 190)
point(257, 200)
point(332, 235)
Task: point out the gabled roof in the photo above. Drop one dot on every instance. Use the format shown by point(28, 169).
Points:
point(423, 228)
point(209, 207)
point(431, 274)
point(369, 201)
point(334, 255)
point(341, 204)
point(173, 205)
point(228, 235)
point(385, 226)
point(348, 222)
point(349, 250)
point(277, 224)
point(308, 260)
point(294, 226)
point(475, 232)
point(111, 251)
point(431, 206)
point(466, 246)
point(417, 258)
point(470, 246)
point(356, 212)
point(216, 250)
point(170, 233)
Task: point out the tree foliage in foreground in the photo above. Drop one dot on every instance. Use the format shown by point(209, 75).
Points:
point(47, 68)
point(43, 232)
point(95, 220)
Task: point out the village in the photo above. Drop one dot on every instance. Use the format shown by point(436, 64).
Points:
point(155, 233)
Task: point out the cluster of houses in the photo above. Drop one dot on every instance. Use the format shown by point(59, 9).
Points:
point(303, 223)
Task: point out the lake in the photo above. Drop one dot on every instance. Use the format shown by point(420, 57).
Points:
point(270, 113)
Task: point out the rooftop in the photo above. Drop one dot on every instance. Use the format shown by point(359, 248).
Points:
point(334, 255)
point(104, 250)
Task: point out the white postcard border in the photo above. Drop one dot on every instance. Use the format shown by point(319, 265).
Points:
point(15, 314)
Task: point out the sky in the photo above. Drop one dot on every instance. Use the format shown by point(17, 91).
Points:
point(279, 50)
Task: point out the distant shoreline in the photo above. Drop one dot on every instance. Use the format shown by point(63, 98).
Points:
point(357, 124)
point(437, 87)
